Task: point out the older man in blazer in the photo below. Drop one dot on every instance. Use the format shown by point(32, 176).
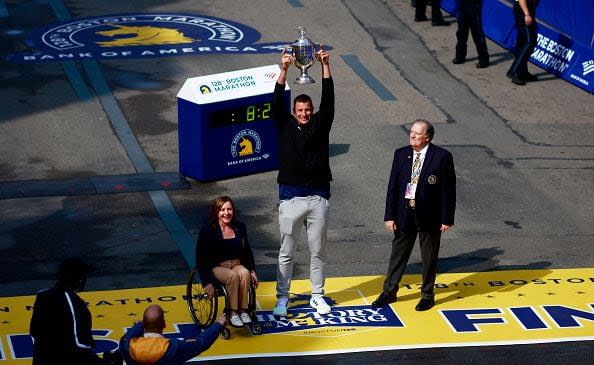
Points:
point(421, 201)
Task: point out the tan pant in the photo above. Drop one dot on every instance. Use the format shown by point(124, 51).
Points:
point(236, 279)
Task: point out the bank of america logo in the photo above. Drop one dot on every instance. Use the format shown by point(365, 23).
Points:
point(588, 67)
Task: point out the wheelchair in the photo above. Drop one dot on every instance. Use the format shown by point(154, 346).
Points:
point(205, 311)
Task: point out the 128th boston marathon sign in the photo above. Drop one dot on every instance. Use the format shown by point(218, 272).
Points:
point(141, 36)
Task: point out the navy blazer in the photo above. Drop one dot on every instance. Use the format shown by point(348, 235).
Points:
point(435, 196)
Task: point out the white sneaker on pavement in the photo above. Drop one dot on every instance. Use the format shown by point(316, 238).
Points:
point(319, 304)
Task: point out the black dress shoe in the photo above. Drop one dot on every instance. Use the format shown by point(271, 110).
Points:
point(440, 23)
point(458, 60)
point(516, 79)
point(529, 77)
point(384, 298)
point(421, 19)
point(483, 65)
point(425, 304)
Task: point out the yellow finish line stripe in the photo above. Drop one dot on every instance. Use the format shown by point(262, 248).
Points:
point(472, 309)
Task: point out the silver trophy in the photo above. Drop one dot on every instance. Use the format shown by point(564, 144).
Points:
point(304, 51)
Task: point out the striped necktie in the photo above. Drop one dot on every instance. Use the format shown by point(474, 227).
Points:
point(416, 168)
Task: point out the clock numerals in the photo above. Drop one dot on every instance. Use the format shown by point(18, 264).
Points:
point(266, 110)
point(245, 114)
point(250, 114)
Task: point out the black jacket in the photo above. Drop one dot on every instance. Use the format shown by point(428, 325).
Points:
point(303, 150)
point(61, 327)
point(210, 251)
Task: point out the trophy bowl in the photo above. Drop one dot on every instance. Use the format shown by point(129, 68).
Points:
point(304, 51)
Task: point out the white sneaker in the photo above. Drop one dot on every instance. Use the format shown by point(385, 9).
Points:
point(245, 318)
point(319, 304)
point(281, 307)
point(236, 321)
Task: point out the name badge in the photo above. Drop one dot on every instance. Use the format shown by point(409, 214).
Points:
point(410, 191)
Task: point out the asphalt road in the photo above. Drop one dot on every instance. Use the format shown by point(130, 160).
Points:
point(524, 154)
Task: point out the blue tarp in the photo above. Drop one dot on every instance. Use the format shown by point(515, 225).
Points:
point(565, 35)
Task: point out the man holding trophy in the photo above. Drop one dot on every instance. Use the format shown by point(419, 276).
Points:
point(304, 172)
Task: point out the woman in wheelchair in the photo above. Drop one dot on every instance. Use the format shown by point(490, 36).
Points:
point(223, 255)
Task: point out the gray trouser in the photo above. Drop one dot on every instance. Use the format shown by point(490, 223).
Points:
point(292, 214)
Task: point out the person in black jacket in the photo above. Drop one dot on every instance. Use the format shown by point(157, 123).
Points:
point(61, 322)
point(223, 254)
point(304, 181)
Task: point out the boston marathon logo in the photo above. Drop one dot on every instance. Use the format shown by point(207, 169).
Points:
point(141, 36)
point(587, 68)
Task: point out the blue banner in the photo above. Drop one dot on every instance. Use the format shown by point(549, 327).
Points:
point(565, 35)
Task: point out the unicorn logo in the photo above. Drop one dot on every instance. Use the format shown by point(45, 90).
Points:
point(246, 147)
point(142, 36)
point(245, 143)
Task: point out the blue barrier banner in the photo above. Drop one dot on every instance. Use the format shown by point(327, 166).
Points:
point(565, 35)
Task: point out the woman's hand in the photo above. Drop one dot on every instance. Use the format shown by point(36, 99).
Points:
point(210, 291)
point(254, 279)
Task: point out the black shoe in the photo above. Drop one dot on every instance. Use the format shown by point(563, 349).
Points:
point(425, 304)
point(383, 299)
point(483, 65)
point(458, 60)
point(440, 23)
point(421, 19)
point(529, 77)
point(515, 78)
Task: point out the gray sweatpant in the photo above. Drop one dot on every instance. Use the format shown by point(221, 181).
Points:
point(292, 214)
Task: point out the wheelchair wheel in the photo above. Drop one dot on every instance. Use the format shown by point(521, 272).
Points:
point(202, 309)
point(256, 329)
point(225, 333)
point(252, 302)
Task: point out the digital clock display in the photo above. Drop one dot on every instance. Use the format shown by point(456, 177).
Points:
point(238, 115)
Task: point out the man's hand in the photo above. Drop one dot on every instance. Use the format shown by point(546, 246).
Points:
point(445, 227)
point(210, 291)
point(223, 319)
point(286, 60)
point(390, 226)
point(323, 56)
